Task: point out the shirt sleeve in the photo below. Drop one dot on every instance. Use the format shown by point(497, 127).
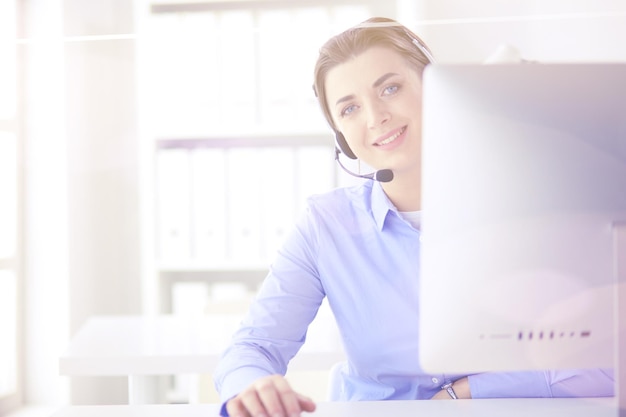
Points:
point(533, 384)
point(275, 327)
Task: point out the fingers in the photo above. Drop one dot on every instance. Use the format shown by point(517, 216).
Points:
point(306, 404)
point(235, 408)
point(269, 397)
point(264, 399)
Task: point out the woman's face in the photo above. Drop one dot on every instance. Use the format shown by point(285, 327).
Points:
point(375, 100)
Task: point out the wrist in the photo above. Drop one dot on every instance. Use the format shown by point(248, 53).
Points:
point(449, 388)
point(458, 389)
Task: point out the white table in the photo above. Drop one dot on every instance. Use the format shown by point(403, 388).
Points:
point(580, 407)
point(146, 347)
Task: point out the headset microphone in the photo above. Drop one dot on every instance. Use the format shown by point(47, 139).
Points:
point(382, 175)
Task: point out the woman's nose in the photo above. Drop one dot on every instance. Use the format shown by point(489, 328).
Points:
point(377, 115)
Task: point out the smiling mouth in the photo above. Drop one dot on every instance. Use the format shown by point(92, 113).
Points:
point(391, 138)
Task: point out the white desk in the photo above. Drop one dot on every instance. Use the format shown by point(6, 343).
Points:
point(604, 407)
point(145, 347)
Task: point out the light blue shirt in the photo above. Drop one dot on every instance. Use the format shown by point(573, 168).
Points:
point(352, 246)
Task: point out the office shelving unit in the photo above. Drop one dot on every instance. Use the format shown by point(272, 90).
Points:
point(233, 135)
point(223, 208)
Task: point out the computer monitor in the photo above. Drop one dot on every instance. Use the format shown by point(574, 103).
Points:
point(523, 194)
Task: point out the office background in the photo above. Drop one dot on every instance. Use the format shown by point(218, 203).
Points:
point(138, 140)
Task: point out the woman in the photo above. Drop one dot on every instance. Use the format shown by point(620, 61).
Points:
point(359, 247)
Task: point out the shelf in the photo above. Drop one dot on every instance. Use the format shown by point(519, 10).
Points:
point(247, 139)
point(211, 268)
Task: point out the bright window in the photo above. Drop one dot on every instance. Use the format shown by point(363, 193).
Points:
point(9, 181)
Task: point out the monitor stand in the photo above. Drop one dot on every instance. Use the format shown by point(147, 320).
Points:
point(619, 233)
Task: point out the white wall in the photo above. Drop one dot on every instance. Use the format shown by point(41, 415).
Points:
point(543, 30)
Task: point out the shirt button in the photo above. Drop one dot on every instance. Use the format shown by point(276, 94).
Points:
point(435, 381)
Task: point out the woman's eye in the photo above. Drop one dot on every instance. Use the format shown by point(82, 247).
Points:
point(347, 110)
point(392, 89)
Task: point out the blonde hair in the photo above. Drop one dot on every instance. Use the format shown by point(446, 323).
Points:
point(376, 31)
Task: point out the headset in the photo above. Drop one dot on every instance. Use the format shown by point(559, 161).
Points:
point(382, 175)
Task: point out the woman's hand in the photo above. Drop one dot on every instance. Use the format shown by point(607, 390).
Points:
point(269, 397)
point(461, 389)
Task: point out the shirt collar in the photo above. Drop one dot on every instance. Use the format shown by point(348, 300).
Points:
point(381, 205)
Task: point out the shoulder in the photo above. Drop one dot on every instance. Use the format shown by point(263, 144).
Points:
point(342, 201)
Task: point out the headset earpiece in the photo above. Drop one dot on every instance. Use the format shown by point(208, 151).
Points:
point(343, 145)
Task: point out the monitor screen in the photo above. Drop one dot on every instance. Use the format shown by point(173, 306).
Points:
point(524, 189)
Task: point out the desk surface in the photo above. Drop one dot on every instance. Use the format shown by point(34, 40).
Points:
point(604, 407)
point(167, 345)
